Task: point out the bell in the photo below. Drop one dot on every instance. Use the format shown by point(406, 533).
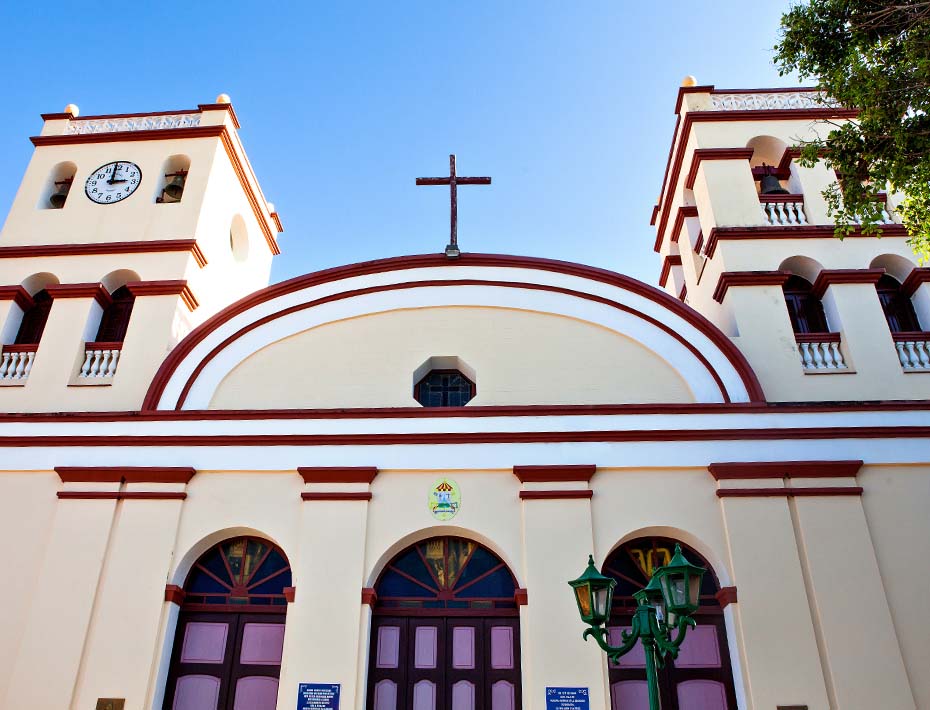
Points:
point(771, 186)
point(58, 198)
point(175, 188)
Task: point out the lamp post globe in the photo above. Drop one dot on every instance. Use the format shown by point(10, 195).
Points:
point(680, 582)
point(593, 593)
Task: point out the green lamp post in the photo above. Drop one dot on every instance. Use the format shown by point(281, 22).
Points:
point(663, 606)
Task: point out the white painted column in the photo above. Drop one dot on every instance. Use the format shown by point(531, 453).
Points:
point(324, 623)
point(53, 642)
point(558, 537)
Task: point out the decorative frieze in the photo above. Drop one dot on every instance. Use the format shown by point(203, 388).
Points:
point(132, 123)
point(768, 100)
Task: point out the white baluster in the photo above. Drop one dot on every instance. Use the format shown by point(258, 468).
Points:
point(902, 355)
point(114, 358)
point(827, 356)
point(923, 354)
point(764, 206)
point(95, 364)
point(802, 216)
point(4, 365)
point(818, 358)
point(838, 356)
point(20, 365)
point(806, 360)
point(914, 359)
point(30, 356)
point(791, 208)
point(85, 368)
point(104, 363)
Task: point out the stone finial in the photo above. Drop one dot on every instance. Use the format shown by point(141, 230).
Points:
point(223, 99)
point(73, 110)
point(689, 81)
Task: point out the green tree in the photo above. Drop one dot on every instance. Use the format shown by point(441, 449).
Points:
point(873, 56)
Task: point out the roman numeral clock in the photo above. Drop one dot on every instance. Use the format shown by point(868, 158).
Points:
point(113, 182)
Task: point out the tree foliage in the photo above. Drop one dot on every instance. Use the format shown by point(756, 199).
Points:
point(873, 56)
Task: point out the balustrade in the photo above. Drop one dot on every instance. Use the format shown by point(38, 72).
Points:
point(783, 210)
point(100, 360)
point(16, 362)
point(160, 122)
point(913, 350)
point(820, 352)
point(766, 100)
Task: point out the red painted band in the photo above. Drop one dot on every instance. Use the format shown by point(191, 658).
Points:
point(336, 495)
point(143, 247)
point(668, 262)
point(338, 474)
point(828, 277)
point(18, 295)
point(914, 279)
point(129, 474)
point(766, 232)
point(728, 279)
point(122, 495)
point(443, 438)
point(788, 492)
point(555, 495)
point(701, 154)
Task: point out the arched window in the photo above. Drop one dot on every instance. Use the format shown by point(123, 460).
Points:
point(898, 308)
point(34, 319)
point(701, 676)
point(230, 634)
point(446, 631)
point(804, 309)
point(115, 319)
point(444, 388)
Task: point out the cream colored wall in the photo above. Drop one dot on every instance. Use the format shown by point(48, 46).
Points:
point(808, 581)
point(520, 357)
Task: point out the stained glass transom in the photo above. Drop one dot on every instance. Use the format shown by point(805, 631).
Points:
point(243, 570)
point(446, 573)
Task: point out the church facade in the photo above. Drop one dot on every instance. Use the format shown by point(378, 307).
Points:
point(367, 487)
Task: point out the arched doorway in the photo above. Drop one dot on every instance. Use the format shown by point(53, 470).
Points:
point(701, 676)
point(446, 630)
point(230, 633)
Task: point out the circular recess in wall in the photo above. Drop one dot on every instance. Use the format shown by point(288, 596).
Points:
point(239, 239)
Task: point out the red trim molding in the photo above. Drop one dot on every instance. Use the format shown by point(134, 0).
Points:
point(174, 594)
point(369, 596)
point(183, 349)
point(496, 437)
point(122, 495)
point(258, 208)
point(88, 290)
point(828, 277)
point(165, 288)
point(788, 492)
point(706, 89)
point(143, 247)
point(338, 474)
point(336, 495)
point(914, 279)
point(221, 107)
point(899, 337)
point(668, 262)
point(765, 232)
point(683, 212)
point(521, 596)
point(817, 338)
point(701, 154)
point(548, 474)
point(784, 469)
point(290, 594)
point(125, 474)
point(729, 279)
point(556, 494)
point(726, 596)
point(18, 295)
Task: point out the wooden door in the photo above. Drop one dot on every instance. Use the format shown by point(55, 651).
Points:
point(225, 661)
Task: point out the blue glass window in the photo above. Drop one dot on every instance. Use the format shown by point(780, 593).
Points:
point(444, 388)
point(243, 570)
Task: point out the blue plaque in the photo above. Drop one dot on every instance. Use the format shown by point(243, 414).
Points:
point(567, 699)
point(318, 696)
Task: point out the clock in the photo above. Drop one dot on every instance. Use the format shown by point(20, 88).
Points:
point(113, 182)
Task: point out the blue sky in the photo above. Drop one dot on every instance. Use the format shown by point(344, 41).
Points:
point(568, 106)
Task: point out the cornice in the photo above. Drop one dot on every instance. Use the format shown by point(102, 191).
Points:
point(828, 277)
point(728, 279)
point(125, 474)
point(84, 249)
point(86, 290)
point(668, 262)
point(165, 288)
point(549, 474)
point(338, 474)
point(918, 276)
point(701, 154)
point(823, 231)
point(784, 469)
point(18, 295)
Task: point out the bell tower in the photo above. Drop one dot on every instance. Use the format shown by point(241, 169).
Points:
point(160, 212)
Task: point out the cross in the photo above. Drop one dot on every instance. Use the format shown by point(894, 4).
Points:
point(453, 181)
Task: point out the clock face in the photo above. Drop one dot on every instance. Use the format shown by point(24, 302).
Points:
point(113, 182)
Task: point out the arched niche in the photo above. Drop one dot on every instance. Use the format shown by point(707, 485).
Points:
point(239, 239)
point(57, 187)
point(769, 151)
point(172, 180)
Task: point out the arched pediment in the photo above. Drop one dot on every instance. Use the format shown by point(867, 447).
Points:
point(613, 323)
